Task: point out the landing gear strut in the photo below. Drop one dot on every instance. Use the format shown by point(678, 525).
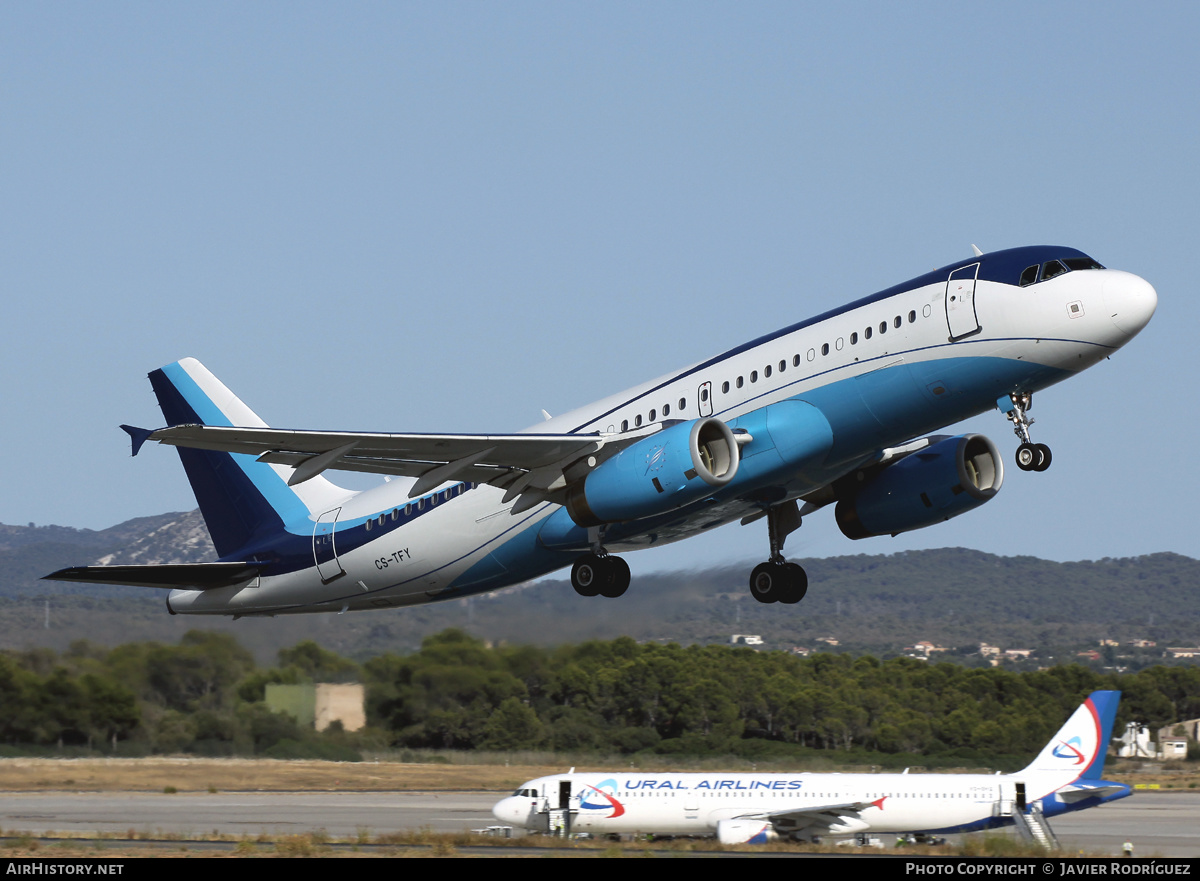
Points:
point(1030, 456)
point(777, 580)
point(600, 572)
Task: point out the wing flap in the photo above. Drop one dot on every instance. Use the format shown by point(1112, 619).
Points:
point(168, 576)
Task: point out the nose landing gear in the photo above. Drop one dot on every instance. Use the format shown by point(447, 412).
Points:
point(1030, 456)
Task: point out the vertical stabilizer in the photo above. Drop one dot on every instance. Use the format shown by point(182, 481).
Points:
point(1078, 749)
point(242, 499)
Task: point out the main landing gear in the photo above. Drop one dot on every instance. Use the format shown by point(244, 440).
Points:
point(1030, 456)
point(600, 572)
point(777, 580)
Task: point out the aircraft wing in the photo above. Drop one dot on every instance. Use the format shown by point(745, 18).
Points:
point(197, 576)
point(532, 465)
point(823, 816)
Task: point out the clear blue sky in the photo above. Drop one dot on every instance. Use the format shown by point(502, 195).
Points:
point(446, 216)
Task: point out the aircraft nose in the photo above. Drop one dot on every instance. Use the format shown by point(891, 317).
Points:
point(1131, 302)
point(504, 810)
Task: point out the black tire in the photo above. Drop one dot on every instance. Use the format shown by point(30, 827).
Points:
point(587, 575)
point(1028, 457)
point(796, 581)
point(1044, 457)
point(766, 582)
point(617, 581)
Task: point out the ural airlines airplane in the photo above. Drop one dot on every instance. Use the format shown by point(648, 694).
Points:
point(836, 410)
point(741, 808)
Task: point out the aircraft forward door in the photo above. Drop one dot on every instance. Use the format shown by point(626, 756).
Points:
point(961, 316)
point(325, 547)
point(704, 399)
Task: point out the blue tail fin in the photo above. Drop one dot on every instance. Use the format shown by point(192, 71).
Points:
point(243, 501)
point(1078, 750)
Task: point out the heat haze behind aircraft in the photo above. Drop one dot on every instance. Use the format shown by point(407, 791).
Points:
point(835, 410)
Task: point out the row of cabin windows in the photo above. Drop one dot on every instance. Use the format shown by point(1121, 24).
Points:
point(897, 322)
point(418, 505)
point(666, 411)
point(812, 353)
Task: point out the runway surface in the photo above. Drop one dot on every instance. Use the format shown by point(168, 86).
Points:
point(1162, 824)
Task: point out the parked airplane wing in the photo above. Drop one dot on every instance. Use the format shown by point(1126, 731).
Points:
point(843, 815)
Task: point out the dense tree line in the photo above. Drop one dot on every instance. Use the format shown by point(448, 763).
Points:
point(621, 696)
point(205, 696)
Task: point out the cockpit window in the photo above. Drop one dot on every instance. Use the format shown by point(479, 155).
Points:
point(1052, 268)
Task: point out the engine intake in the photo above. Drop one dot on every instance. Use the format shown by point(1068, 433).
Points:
point(930, 486)
point(679, 465)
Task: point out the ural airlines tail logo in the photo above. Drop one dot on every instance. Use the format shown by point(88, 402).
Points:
point(596, 798)
point(1071, 750)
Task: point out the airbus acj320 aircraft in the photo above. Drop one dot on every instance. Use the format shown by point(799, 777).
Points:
point(836, 410)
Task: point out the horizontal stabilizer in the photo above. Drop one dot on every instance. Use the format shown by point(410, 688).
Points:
point(1072, 794)
point(193, 576)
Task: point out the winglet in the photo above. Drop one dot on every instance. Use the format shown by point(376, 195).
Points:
point(137, 435)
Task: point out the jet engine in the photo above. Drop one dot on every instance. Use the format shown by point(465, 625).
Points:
point(745, 832)
point(675, 467)
point(949, 478)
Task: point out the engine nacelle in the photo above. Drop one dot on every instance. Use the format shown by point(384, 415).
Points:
point(675, 467)
point(745, 832)
point(930, 486)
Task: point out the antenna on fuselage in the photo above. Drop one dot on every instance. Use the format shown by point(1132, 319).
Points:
point(976, 251)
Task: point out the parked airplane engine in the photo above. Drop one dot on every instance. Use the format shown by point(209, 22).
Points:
point(942, 481)
point(675, 467)
point(745, 832)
